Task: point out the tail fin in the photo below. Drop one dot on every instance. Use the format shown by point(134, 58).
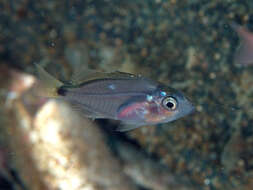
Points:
point(47, 85)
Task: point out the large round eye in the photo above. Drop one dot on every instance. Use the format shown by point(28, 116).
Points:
point(169, 103)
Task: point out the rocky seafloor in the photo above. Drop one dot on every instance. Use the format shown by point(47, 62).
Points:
point(187, 44)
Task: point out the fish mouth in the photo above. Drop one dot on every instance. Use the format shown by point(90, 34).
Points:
point(190, 108)
point(186, 108)
point(185, 105)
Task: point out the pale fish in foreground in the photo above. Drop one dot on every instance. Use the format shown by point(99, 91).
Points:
point(132, 99)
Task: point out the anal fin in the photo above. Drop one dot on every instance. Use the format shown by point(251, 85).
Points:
point(126, 127)
point(84, 110)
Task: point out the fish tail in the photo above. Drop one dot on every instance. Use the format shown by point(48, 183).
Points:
point(47, 85)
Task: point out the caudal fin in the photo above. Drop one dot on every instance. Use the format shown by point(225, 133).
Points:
point(47, 85)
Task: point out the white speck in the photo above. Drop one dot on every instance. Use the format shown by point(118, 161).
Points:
point(163, 93)
point(112, 86)
point(149, 98)
point(207, 181)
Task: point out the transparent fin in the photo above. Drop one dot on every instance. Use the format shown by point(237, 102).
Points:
point(126, 127)
point(47, 85)
point(122, 75)
point(85, 74)
point(85, 111)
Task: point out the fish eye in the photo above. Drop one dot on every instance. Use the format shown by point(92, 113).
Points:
point(170, 103)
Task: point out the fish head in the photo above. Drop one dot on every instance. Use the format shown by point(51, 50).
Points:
point(168, 105)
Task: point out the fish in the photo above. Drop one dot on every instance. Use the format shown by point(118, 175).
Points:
point(244, 53)
point(132, 99)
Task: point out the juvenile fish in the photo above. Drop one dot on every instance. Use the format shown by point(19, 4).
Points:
point(131, 99)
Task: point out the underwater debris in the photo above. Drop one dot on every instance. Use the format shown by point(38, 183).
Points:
point(244, 53)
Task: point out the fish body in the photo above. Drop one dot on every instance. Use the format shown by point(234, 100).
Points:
point(132, 99)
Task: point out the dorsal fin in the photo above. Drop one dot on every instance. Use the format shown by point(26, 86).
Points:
point(84, 75)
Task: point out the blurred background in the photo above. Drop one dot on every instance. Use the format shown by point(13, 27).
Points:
point(187, 44)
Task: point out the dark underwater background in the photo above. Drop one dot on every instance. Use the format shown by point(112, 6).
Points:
point(186, 44)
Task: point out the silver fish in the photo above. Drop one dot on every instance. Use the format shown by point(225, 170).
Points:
point(131, 99)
